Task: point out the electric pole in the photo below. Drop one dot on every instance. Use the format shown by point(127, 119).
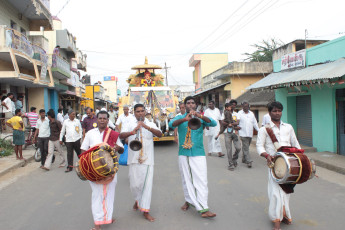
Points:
point(166, 72)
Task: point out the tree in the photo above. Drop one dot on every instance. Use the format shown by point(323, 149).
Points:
point(264, 50)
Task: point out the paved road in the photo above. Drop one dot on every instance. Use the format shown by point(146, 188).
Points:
point(56, 200)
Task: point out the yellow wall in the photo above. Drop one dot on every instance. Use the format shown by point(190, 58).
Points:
point(36, 98)
point(212, 62)
point(111, 90)
point(241, 82)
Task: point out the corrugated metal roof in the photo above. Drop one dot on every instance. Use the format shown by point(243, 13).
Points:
point(303, 76)
point(206, 90)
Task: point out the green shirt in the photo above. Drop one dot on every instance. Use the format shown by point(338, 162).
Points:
point(196, 136)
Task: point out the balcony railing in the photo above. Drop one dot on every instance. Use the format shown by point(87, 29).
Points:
point(19, 42)
point(59, 63)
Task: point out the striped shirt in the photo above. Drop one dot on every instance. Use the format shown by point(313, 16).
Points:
point(33, 117)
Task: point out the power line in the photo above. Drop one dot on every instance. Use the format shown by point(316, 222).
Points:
point(255, 15)
point(233, 25)
point(220, 25)
point(63, 7)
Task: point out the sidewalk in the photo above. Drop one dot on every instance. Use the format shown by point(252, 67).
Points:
point(328, 160)
point(10, 163)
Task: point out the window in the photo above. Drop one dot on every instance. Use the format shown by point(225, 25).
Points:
point(13, 25)
point(299, 46)
point(22, 31)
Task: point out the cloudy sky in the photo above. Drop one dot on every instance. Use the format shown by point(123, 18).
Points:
point(117, 35)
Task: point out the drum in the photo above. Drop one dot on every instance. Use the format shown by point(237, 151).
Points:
point(292, 168)
point(97, 163)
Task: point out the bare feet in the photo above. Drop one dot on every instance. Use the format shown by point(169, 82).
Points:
point(135, 206)
point(208, 214)
point(221, 154)
point(97, 227)
point(148, 217)
point(45, 168)
point(185, 207)
point(277, 226)
point(286, 221)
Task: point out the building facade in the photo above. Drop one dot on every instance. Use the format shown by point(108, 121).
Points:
point(312, 91)
point(230, 81)
point(24, 63)
point(204, 64)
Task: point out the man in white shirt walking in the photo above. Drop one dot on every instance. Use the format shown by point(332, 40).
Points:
point(279, 208)
point(7, 109)
point(43, 133)
point(124, 118)
point(112, 115)
point(141, 162)
point(211, 132)
point(59, 116)
point(72, 128)
point(266, 119)
point(247, 124)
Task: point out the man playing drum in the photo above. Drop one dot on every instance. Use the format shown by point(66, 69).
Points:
point(141, 162)
point(279, 210)
point(192, 160)
point(103, 192)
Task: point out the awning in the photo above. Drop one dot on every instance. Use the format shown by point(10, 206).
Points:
point(306, 76)
point(206, 90)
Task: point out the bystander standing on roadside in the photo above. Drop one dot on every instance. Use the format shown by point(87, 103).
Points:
point(14, 100)
point(43, 133)
point(33, 117)
point(19, 103)
point(16, 123)
point(7, 108)
point(54, 143)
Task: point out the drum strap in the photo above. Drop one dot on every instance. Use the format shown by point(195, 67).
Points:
point(272, 136)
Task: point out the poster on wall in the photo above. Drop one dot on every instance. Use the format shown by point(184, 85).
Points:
point(293, 60)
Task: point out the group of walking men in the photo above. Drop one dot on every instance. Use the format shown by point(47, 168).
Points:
point(191, 158)
point(237, 127)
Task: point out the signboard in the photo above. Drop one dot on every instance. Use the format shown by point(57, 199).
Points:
point(293, 60)
point(109, 78)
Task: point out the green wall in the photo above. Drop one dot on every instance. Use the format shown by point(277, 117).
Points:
point(323, 108)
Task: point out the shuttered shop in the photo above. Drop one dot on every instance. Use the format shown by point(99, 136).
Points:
point(304, 120)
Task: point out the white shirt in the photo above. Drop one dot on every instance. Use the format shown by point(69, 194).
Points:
point(65, 117)
point(215, 115)
point(43, 127)
point(94, 137)
point(266, 119)
point(147, 142)
point(8, 103)
point(124, 119)
point(83, 117)
point(111, 124)
point(247, 123)
point(112, 116)
point(59, 117)
point(285, 136)
point(72, 129)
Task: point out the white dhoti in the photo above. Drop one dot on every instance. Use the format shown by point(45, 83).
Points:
point(102, 202)
point(213, 144)
point(194, 181)
point(141, 181)
point(279, 202)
